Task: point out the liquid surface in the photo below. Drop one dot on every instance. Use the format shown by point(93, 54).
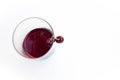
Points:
point(37, 42)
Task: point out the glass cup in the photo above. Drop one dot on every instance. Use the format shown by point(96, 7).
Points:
point(24, 28)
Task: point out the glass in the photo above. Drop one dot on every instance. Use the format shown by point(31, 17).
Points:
point(25, 33)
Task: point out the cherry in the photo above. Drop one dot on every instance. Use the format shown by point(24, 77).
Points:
point(59, 39)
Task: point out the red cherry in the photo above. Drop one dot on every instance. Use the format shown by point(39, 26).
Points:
point(59, 39)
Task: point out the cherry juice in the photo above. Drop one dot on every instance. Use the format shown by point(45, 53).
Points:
point(37, 42)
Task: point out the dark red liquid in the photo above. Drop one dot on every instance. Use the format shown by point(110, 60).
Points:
point(37, 42)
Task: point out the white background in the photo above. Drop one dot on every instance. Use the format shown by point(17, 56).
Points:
point(91, 50)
